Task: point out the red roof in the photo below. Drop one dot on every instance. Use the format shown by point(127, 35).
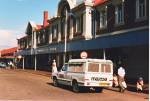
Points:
point(39, 27)
point(10, 57)
point(10, 50)
point(98, 2)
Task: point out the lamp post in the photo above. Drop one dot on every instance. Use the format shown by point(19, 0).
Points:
point(34, 48)
point(21, 57)
point(68, 14)
point(65, 36)
point(65, 44)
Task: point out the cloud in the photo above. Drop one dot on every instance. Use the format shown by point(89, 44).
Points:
point(8, 38)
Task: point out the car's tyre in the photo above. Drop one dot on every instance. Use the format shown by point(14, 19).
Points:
point(75, 87)
point(55, 82)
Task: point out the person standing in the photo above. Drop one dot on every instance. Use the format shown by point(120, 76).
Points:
point(54, 68)
point(115, 80)
point(140, 84)
point(121, 75)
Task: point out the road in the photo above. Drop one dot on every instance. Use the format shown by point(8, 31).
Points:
point(21, 85)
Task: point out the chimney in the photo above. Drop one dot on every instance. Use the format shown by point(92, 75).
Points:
point(45, 23)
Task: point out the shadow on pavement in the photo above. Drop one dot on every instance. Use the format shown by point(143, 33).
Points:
point(69, 88)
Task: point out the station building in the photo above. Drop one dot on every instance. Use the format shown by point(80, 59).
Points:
point(113, 29)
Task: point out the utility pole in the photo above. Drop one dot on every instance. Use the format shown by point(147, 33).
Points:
point(34, 47)
point(65, 46)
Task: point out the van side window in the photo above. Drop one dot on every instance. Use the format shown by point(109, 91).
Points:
point(93, 67)
point(76, 67)
point(106, 68)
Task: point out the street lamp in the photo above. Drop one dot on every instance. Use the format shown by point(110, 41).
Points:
point(68, 14)
point(34, 48)
point(21, 57)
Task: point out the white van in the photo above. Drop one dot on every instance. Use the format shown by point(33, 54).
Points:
point(95, 73)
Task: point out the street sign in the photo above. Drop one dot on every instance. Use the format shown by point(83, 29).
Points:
point(83, 55)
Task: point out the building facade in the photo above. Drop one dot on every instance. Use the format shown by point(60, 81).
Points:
point(113, 29)
point(7, 55)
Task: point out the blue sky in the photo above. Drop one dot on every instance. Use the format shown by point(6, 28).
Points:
point(15, 14)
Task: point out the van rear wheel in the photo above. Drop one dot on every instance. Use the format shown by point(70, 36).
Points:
point(75, 87)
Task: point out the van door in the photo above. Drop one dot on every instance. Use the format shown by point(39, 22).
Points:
point(62, 76)
point(99, 74)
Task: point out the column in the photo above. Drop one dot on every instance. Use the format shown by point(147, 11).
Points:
point(87, 22)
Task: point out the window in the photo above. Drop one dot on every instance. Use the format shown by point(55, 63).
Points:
point(50, 35)
point(65, 68)
point(103, 18)
point(38, 38)
point(55, 30)
point(140, 9)
point(29, 41)
point(78, 24)
point(63, 27)
point(43, 38)
point(119, 14)
point(76, 67)
point(106, 68)
point(93, 67)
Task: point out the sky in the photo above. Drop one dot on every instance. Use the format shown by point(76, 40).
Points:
point(15, 15)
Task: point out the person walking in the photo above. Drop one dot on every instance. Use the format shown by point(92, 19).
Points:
point(121, 75)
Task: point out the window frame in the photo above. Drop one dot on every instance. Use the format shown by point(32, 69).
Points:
point(144, 14)
point(119, 14)
point(78, 24)
point(73, 67)
point(105, 17)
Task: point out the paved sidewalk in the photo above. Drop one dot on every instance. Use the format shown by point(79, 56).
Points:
point(130, 87)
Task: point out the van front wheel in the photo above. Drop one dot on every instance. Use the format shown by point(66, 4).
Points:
point(75, 87)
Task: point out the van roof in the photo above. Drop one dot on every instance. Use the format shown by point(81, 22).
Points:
point(89, 60)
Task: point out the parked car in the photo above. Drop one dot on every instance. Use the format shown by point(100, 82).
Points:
point(85, 73)
point(3, 65)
